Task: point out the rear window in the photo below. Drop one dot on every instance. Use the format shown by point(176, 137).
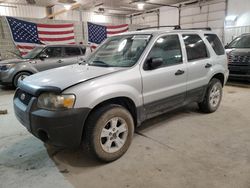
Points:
point(72, 51)
point(195, 47)
point(215, 43)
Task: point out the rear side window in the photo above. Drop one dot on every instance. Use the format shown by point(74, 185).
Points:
point(72, 51)
point(215, 43)
point(195, 47)
point(169, 49)
point(53, 52)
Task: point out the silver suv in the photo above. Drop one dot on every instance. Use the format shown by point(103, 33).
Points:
point(39, 59)
point(128, 79)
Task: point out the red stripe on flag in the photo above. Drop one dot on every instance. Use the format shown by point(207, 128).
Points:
point(116, 26)
point(55, 25)
point(116, 32)
point(57, 39)
point(55, 32)
point(23, 53)
point(26, 47)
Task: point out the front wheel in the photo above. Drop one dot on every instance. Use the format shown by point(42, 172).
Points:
point(108, 133)
point(19, 77)
point(213, 97)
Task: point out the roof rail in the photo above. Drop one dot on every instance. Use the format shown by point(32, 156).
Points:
point(198, 28)
point(174, 26)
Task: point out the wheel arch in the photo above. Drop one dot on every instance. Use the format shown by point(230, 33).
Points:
point(220, 76)
point(24, 71)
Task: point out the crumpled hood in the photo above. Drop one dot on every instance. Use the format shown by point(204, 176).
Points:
point(67, 76)
point(13, 61)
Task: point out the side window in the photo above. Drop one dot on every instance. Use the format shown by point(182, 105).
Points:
point(168, 48)
point(215, 43)
point(72, 51)
point(195, 47)
point(53, 52)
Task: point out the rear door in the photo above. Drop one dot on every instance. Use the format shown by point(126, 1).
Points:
point(71, 55)
point(198, 65)
point(165, 87)
point(53, 60)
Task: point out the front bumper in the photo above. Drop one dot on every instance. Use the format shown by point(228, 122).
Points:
point(240, 72)
point(59, 128)
point(5, 77)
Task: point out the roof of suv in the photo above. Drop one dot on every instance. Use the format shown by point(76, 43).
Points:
point(64, 45)
point(162, 31)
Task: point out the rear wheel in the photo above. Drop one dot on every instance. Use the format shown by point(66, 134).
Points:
point(108, 133)
point(213, 97)
point(19, 77)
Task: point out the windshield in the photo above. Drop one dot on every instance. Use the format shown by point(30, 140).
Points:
point(33, 53)
point(120, 51)
point(240, 42)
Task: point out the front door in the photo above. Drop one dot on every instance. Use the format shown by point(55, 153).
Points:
point(54, 59)
point(164, 88)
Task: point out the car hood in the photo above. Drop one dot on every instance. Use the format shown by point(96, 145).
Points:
point(13, 61)
point(65, 77)
point(239, 51)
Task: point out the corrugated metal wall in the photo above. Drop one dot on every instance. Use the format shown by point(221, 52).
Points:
point(232, 32)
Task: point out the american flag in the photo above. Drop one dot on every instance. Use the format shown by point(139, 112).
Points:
point(98, 33)
point(28, 35)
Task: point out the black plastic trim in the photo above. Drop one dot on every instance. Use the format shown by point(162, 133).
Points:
point(36, 91)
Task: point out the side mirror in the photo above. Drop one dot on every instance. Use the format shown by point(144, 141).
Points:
point(43, 56)
point(226, 46)
point(153, 63)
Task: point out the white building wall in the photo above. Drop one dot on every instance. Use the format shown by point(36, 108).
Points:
point(24, 11)
point(240, 9)
point(207, 14)
point(145, 19)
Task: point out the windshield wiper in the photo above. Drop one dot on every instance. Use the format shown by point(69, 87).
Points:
point(99, 63)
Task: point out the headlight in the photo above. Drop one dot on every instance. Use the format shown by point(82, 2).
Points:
point(6, 67)
point(51, 101)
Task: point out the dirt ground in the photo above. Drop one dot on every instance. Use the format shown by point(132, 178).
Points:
point(180, 149)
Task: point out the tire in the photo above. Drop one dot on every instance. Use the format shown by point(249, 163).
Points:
point(108, 132)
point(18, 76)
point(212, 98)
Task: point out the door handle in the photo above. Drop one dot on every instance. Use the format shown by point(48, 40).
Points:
point(59, 61)
point(208, 65)
point(179, 72)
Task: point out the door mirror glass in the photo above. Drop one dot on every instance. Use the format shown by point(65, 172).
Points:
point(43, 56)
point(153, 63)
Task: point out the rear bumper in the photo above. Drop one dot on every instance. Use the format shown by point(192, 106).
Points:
point(241, 72)
point(59, 128)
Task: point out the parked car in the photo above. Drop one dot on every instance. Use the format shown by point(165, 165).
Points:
point(130, 78)
point(239, 57)
point(40, 59)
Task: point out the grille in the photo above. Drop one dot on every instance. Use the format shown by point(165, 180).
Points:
point(239, 59)
point(23, 96)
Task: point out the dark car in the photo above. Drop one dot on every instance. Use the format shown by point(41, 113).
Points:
point(239, 57)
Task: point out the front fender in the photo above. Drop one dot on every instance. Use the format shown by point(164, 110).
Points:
point(93, 98)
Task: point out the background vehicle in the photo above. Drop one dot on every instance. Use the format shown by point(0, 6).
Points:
point(128, 79)
point(239, 57)
point(40, 59)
